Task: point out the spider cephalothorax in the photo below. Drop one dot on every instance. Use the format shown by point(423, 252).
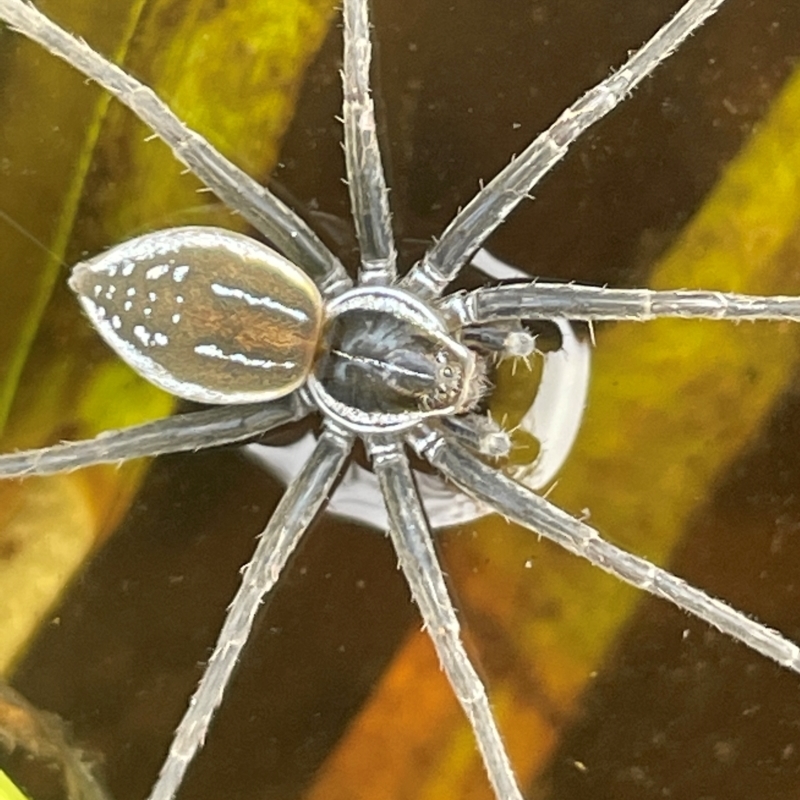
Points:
point(389, 363)
point(219, 318)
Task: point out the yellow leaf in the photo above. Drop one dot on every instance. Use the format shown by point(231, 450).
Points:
point(102, 181)
point(8, 790)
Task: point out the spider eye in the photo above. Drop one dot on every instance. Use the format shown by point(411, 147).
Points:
point(205, 313)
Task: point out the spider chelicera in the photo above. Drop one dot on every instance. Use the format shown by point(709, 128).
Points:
point(391, 361)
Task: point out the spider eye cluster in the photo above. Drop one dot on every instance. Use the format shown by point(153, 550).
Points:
point(448, 381)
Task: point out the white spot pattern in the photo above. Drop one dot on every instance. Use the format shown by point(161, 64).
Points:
point(154, 273)
point(142, 334)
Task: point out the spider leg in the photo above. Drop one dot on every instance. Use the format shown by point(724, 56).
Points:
point(369, 197)
point(525, 507)
point(479, 433)
point(299, 505)
point(195, 430)
point(233, 186)
point(490, 207)
point(412, 541)
point(536, 300)
point(508, 338)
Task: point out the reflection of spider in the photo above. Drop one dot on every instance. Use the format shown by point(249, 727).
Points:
point(389, 361)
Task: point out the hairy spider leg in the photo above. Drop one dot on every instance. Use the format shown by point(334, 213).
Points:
point(520, 504)
point(310, 489)
point(265, 212)
point(369, 197)
point(490, 206)
point(408, 527)
point(412, 541)
point(539, 300)
point(196, 430)
point(301, 502)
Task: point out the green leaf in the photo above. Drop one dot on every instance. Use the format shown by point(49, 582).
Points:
point(81, 174)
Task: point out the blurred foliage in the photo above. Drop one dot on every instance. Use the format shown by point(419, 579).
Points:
point(8, 790)
point(97, 180)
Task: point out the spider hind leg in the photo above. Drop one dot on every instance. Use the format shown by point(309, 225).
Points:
point(518, 503)
point(301, 502)
point(412, 542)
point(232, 185)
point(195, 430)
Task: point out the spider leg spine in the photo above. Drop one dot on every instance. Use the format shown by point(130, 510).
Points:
point(415, 551)
point(303, 498)
point(232, 185)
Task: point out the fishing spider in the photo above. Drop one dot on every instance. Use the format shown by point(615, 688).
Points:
point(393, 362)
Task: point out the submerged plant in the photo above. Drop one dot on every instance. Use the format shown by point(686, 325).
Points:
point(389, 362)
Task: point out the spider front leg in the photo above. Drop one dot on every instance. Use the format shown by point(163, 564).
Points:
point(491, 206)
point(414, 546)
point(518, 503)
point(233, 186)
point(299, 505)
point(537, 300)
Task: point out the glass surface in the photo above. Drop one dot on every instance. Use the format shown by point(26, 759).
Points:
point(688, 453)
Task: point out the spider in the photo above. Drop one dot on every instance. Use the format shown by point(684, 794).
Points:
point(431, 407)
